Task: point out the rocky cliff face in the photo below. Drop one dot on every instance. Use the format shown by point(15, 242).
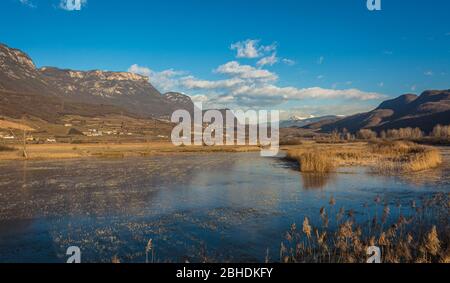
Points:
point(98, 83)
point(18, 72)
point(129, 92)
point(22, 63)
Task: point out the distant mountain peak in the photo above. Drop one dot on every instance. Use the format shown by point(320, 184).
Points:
point(300, 121)
point(398, 102)
point(300, 118)
point(16, 55)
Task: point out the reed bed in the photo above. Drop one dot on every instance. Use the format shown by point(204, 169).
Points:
point(421, 236)
point(403, 157)
point(315, 161)
point(383, 157)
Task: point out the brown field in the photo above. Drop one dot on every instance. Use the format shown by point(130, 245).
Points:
point(111, 150)
point(14, 125)
point(381, 156)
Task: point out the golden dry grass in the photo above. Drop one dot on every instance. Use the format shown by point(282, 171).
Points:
point(415, 237)
point(114, 150)
point(429, 158)
point(404, 157)
point(382, 157)
point(312, 161)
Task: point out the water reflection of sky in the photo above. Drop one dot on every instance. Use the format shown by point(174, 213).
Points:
point(227, 207)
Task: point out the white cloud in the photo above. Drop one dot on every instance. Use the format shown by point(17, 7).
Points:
point(319, 77)
point(429, 73)
point(245, 86)
point(250, 48)
point(381, 84)
point(248, 94)
point(72, 5)
point(200, 98)
point(323, 110)
point(269, 48)
point(305, 93)
point(136, 69)
point(269, 60)
point(288, 62)
point(246, 49)
point(193, 83)
point(164, 81)
point(235, 69)
point(28, 3)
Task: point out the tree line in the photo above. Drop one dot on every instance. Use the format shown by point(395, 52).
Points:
point(439, 132)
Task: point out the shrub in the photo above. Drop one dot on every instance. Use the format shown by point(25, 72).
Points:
point(441, 132)
point(403, 133)
point(366, 134)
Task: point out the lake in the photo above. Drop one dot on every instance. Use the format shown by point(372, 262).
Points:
point(224, 207)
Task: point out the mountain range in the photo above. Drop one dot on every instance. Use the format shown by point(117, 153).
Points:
point(432, 107)
point(296, 121)
point(49, 92)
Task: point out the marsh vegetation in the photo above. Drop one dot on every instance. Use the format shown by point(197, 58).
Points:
point(420, 236)
point(381, 156)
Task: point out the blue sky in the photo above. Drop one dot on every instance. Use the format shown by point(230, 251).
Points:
point(304, 57)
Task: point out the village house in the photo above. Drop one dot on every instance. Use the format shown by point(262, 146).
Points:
point(93, 133)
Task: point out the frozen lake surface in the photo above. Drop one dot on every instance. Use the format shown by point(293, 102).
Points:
point(223, 207)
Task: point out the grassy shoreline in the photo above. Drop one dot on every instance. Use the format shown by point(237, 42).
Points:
point(312, 157)
point(111, 150)
point(381, 156)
